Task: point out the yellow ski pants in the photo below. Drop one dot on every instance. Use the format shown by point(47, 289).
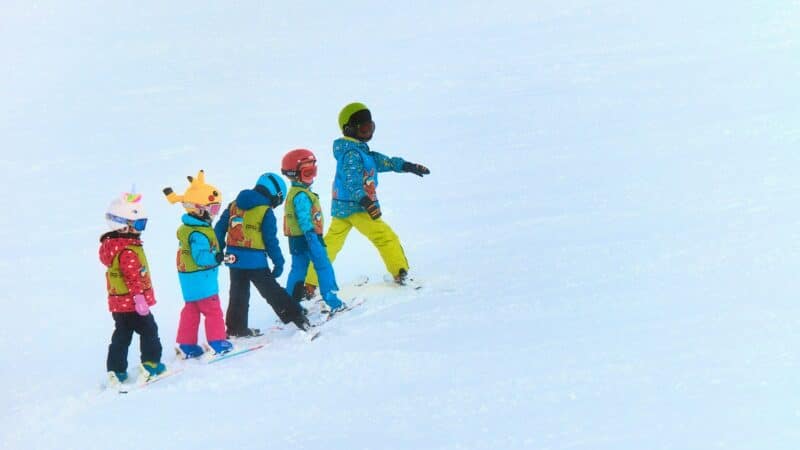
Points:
point(377, 231)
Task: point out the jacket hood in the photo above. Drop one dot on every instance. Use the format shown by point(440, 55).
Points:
point(249, 199)
point(345, 144)
point(194, 221)
point(112, 243)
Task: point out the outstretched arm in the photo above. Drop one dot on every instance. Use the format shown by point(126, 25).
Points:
point(395, 164)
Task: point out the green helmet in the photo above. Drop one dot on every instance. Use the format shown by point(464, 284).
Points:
point(348, 111)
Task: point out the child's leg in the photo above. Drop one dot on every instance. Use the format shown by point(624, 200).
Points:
point(334, 241)
point(238, 302)
point(117, 360)
point(215, 324)
point(326, 276)
point(189, 324)
point(277, 297)
point(149, 343)
point(384, 239)
point(298, 271)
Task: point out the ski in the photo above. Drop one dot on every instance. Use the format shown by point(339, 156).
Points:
point(312, 334)
point(214, 358)
point(127, 388)
point(309, 335)
point(361, 281)
point(351, 305)
point(408, 282)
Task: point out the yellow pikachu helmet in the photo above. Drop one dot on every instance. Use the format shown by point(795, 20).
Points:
point(200, 199)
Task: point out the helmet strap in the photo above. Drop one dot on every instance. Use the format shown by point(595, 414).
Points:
point(274, 200)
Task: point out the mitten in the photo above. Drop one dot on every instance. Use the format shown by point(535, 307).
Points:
point(371, 206)
point(416, 169)
point(140, 304)
point(277, 270)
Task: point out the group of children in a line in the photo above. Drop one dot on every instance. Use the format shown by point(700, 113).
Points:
point(244, 239)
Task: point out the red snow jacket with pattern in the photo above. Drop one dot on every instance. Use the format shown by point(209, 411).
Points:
point(112, 244)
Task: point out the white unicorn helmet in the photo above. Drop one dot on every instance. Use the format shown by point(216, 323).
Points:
point(127, 210)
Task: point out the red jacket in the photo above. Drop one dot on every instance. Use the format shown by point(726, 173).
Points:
point(114, 243)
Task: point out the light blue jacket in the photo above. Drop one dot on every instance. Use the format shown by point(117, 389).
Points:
point(357, 169)
point(202, 284)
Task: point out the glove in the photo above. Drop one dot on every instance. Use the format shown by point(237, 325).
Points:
point(372, 207)
point(277, 269)
point(416, 169)
point(219, 257)
point(140, 304)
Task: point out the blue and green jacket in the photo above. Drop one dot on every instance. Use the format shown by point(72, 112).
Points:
point(199, 285)
point(357, 169)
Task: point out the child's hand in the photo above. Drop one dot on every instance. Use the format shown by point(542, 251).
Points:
point(277, 270)
point(372, 207)
point(416, 169)
point(140, 304)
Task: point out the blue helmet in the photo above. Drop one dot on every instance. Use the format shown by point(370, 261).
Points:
point(273, 187)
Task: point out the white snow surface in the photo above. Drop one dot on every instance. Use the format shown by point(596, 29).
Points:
point(608, 239)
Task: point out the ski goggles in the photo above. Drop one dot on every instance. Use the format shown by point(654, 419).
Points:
point(367, 128)
point(308, 172)
point(137, 224)
point(212, 208)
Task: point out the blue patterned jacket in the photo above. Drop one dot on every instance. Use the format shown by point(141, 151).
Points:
point(357, 169)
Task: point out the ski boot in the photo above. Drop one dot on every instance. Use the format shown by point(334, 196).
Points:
point(188, 351)
point(402, 277)
point(151, 370)
point(333, 304)
point(220, 347)
point(246, 333)
point(302, 322)
point(310, 291)
point(115, 379)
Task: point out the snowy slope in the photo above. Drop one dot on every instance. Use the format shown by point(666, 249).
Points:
point(608, 238)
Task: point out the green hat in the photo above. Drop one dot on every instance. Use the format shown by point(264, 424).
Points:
point(348, 111)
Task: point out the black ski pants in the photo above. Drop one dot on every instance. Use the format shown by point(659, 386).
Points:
point(270, 290)
point(125, 324)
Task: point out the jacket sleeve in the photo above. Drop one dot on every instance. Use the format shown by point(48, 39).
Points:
point(131, 269)
point(386, 163)
point(221, 228)
point(201, 250)
point(269, 232)
point(302, 208)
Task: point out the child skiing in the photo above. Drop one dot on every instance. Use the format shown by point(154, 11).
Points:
point(355, 201)
point(130, 292)
point(248, 228)
point(198, 258)
point(303, 223)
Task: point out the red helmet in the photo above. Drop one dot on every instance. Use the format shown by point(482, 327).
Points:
point(300, 164)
